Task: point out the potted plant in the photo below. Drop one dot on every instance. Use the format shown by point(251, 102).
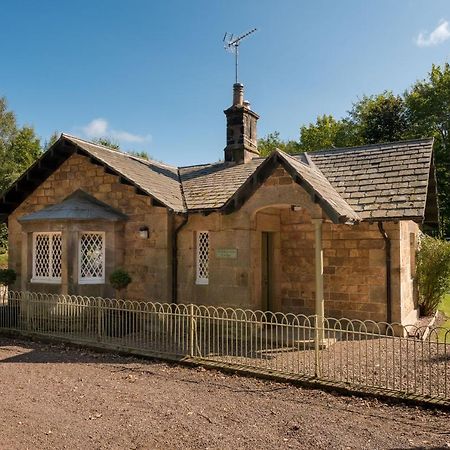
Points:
point(119, 321)
point(120, 279)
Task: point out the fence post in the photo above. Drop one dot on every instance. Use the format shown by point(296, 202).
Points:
point(191, 330)
point(26, 299)
point(317, 340)
point(99, 318)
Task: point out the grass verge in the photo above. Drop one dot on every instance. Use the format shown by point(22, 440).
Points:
point(444, 308)
point(3, 260)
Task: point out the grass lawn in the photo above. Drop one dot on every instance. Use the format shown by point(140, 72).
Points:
point(444, 307)
point(3, 260)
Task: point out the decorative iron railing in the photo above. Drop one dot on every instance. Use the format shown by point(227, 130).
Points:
point(391, 358)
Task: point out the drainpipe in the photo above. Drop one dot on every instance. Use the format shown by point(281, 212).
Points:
point(175, 259)
point(387, 246)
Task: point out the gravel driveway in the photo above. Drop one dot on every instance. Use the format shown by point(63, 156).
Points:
point(59, 397)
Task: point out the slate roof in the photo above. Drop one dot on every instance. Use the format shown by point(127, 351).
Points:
point(210, 186)
point(376, 182)
point(318, 184)
point(380, 181)
point(156, 179)
point(77, 206)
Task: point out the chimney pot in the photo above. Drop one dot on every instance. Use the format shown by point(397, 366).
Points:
point(238, 94)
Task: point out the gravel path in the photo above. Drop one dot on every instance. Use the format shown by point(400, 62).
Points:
point(57, 397)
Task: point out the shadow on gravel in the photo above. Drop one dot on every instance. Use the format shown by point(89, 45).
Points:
point(31, 352)
point(440, 358)
point(420, 447)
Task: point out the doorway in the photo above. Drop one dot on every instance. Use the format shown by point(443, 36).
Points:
point(267, 270)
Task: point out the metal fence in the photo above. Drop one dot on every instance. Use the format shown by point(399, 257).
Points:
point(387, 357)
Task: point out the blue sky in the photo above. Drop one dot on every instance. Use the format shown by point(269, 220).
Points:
point(154, 75)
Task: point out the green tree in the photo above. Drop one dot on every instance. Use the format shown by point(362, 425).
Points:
point(107, 142)
point(8, 126)
point(379, 118)
point(428, 111)
point(19, 148)
point(140, 154)
point(3, 239)
point(422, 111)
point(273, 141)
point(328, 132)
point(53, 138)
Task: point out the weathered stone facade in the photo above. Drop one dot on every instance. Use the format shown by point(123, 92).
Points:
point(147, 260)
point(354, 255)
point(354, 258)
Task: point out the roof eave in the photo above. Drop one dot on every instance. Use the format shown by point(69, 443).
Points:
point(264, 171)
point(327, 207)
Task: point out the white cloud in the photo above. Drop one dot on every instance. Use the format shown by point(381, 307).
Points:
point(96, 128)
point(439, 35)
point(99, 127)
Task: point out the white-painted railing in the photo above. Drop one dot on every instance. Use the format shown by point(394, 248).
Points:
point(387, 357)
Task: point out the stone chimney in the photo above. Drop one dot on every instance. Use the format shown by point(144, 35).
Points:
point(242, 141)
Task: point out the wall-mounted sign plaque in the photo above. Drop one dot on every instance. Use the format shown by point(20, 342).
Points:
point(226, 253)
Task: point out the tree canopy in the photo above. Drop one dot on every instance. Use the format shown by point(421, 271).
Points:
point(421, 111)
point(19, 148)
point(107, 142)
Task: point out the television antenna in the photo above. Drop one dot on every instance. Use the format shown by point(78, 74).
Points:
point(231, 44)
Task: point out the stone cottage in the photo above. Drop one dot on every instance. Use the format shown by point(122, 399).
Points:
point(335, 229)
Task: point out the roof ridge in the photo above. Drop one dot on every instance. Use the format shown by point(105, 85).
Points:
point(203, 165)
point(288, 155)
point(380, 145)
point(322, 198)
point(120, 152)
point(230, 163)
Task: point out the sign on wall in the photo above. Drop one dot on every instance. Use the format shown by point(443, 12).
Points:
point(226, 253)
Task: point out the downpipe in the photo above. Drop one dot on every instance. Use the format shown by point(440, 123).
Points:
point(387, 246)
point(175, 258)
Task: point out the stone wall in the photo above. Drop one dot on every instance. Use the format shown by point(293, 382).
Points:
point(229, 282)
point(354, 268)
point(147, 260)
point(409, 232)
point(354, 255)
point(354, 258)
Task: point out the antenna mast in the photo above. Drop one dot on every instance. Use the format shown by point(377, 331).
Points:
point(231, 44)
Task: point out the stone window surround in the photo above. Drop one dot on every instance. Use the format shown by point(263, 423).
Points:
point(202, 255)
point(98, 278)
point(71, 231)
point(36, 278)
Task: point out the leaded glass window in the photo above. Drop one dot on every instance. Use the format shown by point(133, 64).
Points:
point(47, 253)
point(91, 259)
point(202, 257)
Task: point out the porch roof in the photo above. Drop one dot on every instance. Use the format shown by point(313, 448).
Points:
point(77, 206)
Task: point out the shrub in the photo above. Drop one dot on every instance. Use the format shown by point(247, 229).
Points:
point(433, 273)
point(3, 260)
point(7, 277)
point(120, 279)
point(3, 238)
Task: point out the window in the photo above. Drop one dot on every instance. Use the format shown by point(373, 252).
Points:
point(47, 251)
point(91, 259)
point(202, 257)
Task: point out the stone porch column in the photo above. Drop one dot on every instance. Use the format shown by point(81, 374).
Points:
point(318, 260)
